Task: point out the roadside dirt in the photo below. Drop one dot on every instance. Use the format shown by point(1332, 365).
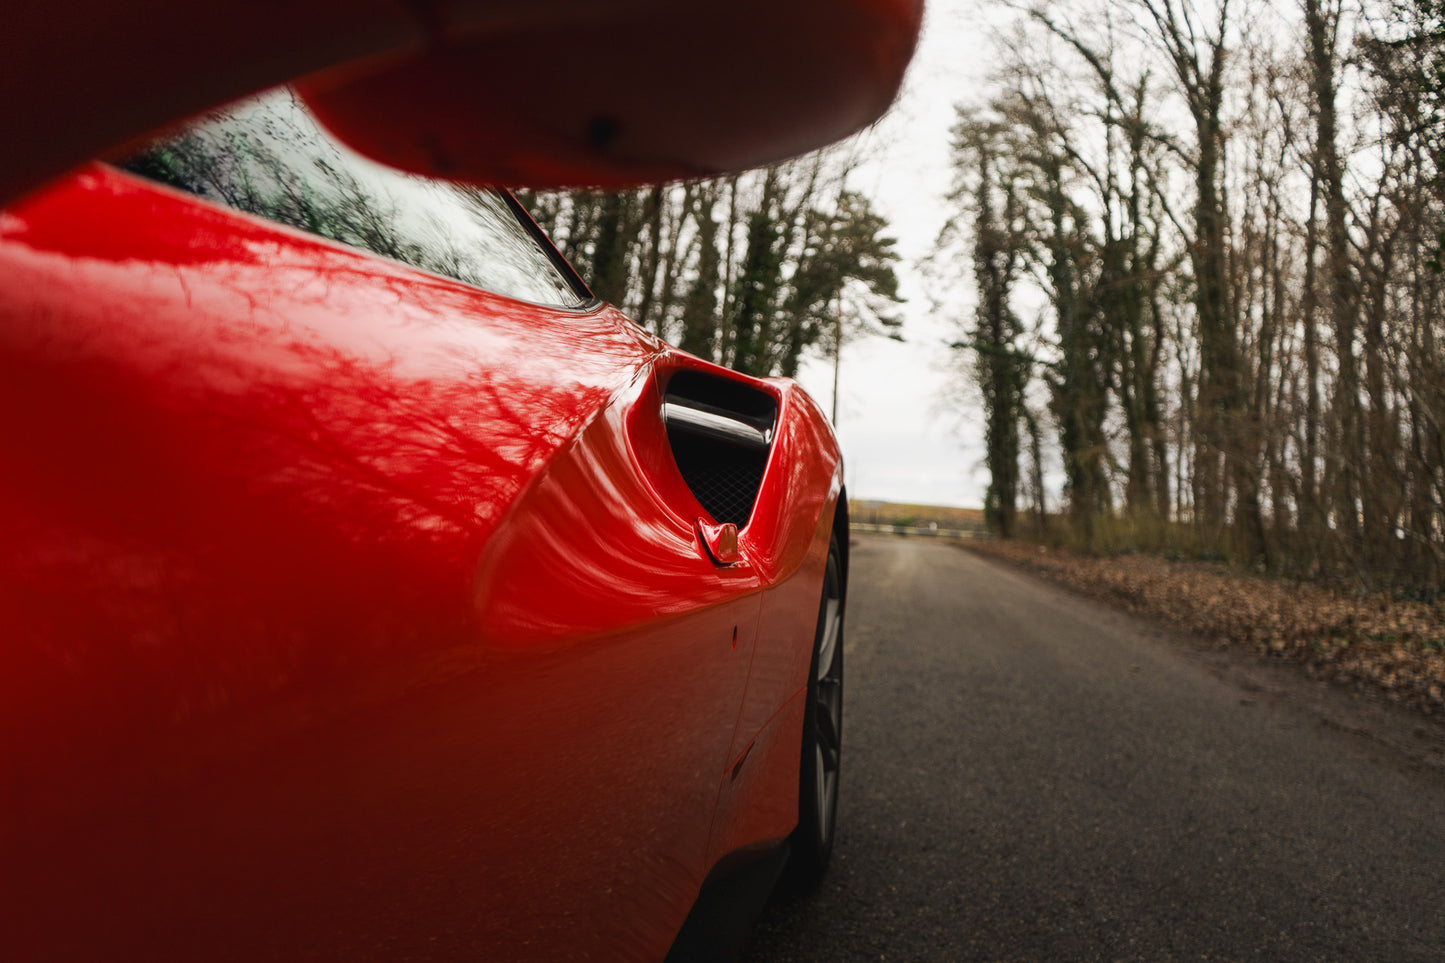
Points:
point(1280, 640)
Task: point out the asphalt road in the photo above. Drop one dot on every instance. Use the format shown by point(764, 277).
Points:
point(1031, 776)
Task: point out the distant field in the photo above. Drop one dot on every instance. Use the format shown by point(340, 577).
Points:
point(893, 513)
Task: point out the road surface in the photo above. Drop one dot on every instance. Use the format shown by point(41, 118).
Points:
point(1032, 776)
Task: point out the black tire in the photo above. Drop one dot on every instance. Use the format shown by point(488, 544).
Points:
point(812, 842)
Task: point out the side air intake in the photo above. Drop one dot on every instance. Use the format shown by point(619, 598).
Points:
point(720, 432)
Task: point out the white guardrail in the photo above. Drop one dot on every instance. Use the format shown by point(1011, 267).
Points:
point(928, 531)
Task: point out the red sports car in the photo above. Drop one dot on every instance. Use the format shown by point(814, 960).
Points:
point(367, 588)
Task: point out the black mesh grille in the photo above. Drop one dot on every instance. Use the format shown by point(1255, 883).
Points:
point(724, 479)
point(720, 430)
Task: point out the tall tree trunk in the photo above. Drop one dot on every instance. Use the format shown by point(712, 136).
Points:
point(700, 318)
point(610, 250)
point(651, 260)
point(1310, 526)
point(1342, 297)
point(676, 256)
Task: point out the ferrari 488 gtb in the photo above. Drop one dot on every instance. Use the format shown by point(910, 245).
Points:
point(368, 589)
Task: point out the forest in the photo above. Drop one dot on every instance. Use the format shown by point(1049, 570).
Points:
point(1206, 242)
point(749, 271)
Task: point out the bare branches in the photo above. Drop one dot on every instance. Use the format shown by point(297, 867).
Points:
point(1240, 303)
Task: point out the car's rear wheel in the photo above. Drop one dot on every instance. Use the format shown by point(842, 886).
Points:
point(812, 841)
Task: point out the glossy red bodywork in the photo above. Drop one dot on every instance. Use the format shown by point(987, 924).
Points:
point(349, 611)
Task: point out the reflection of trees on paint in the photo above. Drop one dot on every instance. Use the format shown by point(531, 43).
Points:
point(305, 506)
point(269, 158)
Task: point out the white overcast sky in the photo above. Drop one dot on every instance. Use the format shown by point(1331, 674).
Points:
point(907, 434)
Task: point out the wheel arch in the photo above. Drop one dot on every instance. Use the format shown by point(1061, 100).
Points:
point(840, 532)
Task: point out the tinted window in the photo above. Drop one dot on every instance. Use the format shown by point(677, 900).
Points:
point(269, 157)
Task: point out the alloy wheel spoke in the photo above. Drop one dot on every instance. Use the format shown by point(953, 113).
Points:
point(830, 756)
point(828, 646)
point(826, 721)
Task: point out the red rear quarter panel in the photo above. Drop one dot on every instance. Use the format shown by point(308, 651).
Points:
point(341, 615)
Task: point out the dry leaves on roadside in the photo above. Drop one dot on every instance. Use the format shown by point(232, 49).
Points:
point(1394, 645)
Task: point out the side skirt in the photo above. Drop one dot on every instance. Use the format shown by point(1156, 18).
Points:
point(726, 910)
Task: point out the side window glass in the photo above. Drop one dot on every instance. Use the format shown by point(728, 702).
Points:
point(269, 157)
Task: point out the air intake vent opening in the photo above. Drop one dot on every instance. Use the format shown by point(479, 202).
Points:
point(720, 432)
